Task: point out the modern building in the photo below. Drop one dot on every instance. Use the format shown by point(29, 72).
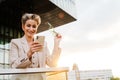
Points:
point(76, 74)
point(10, 20)
point(91, 75)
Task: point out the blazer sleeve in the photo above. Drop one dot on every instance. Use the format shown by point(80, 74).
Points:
point(52, 59)
point(18, 59)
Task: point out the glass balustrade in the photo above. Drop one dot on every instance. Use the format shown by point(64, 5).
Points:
point(57, 73)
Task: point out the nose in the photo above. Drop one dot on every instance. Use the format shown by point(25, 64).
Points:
point(31, 28)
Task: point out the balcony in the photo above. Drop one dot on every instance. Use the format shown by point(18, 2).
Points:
point(56, 73)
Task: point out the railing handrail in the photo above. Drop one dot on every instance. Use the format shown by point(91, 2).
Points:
point(32, 70)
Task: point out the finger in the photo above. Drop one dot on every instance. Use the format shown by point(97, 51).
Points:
point(36, 42)
point(58, 36)
point(37, 49)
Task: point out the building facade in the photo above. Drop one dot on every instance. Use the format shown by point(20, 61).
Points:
point(91, 75)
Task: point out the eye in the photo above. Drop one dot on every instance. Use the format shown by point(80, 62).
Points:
point(34, 26)
point(28, 25)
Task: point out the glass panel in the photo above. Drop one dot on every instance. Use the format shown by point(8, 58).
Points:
point(34, 74)
point(1, 56)
point(56, 76)
point(6, 31)
point(2, 30)
point(11, 33)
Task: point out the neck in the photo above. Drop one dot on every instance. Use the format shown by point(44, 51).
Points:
point(29, 39)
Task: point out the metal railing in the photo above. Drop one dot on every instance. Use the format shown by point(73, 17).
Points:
point(48, 71)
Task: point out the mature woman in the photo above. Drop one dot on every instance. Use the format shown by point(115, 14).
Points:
point(25, 52)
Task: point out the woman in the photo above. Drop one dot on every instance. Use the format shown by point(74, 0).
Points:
point(27, 53)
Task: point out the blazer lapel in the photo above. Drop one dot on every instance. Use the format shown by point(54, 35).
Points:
point(24, 44)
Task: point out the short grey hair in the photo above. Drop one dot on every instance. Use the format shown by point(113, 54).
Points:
point(28, 16)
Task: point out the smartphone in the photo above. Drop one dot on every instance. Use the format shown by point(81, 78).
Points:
point(40, 39)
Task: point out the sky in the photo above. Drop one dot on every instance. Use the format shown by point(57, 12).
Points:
point(93, 40)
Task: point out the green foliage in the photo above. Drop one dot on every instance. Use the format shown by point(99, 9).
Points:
point(115, 78)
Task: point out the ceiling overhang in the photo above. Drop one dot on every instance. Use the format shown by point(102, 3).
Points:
point(11, 12)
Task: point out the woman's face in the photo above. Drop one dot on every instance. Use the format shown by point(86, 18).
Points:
point(30, 28)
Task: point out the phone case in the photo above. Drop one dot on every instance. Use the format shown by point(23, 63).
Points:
point(40, 39)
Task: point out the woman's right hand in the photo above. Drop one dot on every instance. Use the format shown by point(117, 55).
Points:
point(34, 47)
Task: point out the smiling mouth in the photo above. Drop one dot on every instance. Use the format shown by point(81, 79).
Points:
point(31, 32)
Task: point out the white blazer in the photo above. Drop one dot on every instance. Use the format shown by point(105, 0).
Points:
point(19, 59)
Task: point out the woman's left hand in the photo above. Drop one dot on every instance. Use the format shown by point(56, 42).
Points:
point(57, 39)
